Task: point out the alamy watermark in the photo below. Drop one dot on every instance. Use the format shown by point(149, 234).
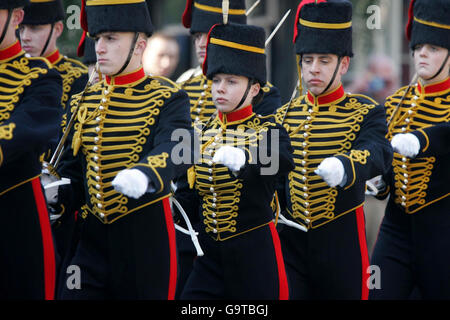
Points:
point(74, 277)
point(262, 148)
point(374, 279)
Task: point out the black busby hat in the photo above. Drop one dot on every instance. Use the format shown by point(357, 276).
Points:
point(429, 23)
point(324, 26)
point(43, 12)
point(116, 15)
point(201, 15)
point(11, 4)
point(236, 49)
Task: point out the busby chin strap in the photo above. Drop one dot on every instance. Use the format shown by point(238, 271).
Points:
point(244, 97)
point(334, 75)
point(442, 66)
point(52, 27)
point(5, 27)
point(130, 54)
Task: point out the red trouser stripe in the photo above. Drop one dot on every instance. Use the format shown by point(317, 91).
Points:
point(173, 249)
point(282, 278)
point(47, 240)
point(364, 252)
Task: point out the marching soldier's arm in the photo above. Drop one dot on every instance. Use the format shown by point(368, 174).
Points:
point(34, 121)
point(371, 154)
point(434, 140)
point(158, 165)
point(274, 156)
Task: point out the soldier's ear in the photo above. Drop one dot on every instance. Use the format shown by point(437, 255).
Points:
point(59, 28)
point(141, 44)
point(17, 17)
point(345, 64)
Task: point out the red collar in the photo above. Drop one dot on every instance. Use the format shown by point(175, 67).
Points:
point(237, 115)
point(53, 57)
point(326, 98)
point(434, 87)
point(11, 51)
point(126, 78)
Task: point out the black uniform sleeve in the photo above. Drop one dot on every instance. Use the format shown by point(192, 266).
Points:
point(274, 156)
point(79, 84)
point(372, 153)
point(434, 140)
point(270, 102)
point(34, 121)
point(159, 165)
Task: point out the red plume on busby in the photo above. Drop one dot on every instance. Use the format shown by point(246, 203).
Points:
point(187, 14)
point(83, 17)
point(83, 24)
point(410, 20)
point(297, 16)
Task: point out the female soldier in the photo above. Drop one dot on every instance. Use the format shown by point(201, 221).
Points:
point(413, 238)
point(243, 258)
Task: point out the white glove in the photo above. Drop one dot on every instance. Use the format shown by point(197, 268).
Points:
point(332, 171)
point(374, 185)
point(406, 144)
point(231, 157)
point(131, 182)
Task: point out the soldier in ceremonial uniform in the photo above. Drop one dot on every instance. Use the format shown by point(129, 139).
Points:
point(339, 143)
point(39, 31)
point(41, 27)
point(414, 238)
point(243, 258)
point(30, 112)
point(199, 16)
point(120, 165)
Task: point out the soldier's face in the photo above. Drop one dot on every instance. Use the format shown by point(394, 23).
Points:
point(318, 70)
point(200, 40)
point(427, 61)
point(33, 38)
point(227, 91)
point(112, 49)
